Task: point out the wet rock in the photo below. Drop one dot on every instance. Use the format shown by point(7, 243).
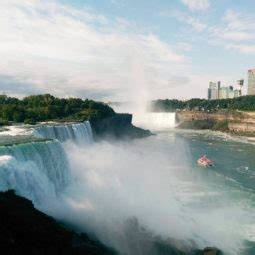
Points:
point(209, 251)
point(212, 251)
point(118, 126)
point(25, 230)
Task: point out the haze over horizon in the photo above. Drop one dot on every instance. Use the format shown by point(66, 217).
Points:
point(118, 50)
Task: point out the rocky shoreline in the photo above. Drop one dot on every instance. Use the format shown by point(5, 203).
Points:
point(233, 122)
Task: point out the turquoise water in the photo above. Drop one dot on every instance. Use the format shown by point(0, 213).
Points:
point(234, 162)
point(232, 177)
point(156, 180)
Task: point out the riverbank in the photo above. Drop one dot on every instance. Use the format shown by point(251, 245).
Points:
point(233, 122)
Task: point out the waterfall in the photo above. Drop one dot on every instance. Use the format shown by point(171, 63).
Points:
point(80, 133)
point(39, 170)
point(154, 120)
point(36, 170)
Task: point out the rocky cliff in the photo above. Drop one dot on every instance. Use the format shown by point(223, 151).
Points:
point(117, 126)
point(236, 121)
point(25, 230)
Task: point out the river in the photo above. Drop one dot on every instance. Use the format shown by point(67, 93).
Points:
point(98, 187)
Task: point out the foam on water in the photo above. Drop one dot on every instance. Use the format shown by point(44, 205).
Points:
point(154, 120)
point(156, 185)
point(97, 187)
point(36, 170)
point(15, 131)
point(80, 133)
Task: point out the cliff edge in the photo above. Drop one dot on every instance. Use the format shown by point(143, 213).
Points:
point(25, 230)
point(233, 121)
point(117, 126)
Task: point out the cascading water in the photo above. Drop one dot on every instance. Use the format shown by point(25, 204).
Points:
point(38, 170)
point(151, 180)
point(35, 170)
point(80, 133)
point(154, 120)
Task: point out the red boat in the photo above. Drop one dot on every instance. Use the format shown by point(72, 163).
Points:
point(204, 161)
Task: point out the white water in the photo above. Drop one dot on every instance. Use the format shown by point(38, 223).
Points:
point(79, 133)
point(151, 180)
point(35, 170)
point(107, 184)
point(154, 120)
point(39, 170)
point(15, 131)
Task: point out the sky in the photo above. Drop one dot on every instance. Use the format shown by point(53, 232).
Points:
point(119, 50)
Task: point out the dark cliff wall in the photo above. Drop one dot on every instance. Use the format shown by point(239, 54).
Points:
point(25, 230)
point(117, 126)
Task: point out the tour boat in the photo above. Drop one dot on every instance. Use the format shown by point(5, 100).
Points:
point(204, 161)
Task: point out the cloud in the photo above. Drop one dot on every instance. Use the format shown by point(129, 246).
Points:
point(68, 51)
point(236, 31)
point(197, 5)
point(185, 18)
point(243, 48)
point(10, 85)
point(196, 25)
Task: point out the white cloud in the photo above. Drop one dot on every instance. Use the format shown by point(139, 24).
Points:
point(197, 5)
point(236, 31)
point(236, 36)
point(66, 51)
point(243, 48)
point(183, 17)
point(238, 21)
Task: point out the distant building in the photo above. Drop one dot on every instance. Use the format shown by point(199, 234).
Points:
point(251, 82)
point(226, 92)
point(215, 91)
point(240, 84)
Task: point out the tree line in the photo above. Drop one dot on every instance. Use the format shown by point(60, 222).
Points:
point(46, 107)
point(244, 103)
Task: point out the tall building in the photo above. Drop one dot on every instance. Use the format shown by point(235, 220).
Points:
point(213, 91)
point(226, 92)
point(240, 84)
point(251, 82)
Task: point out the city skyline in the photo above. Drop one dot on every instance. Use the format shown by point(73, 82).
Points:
point(119, 50)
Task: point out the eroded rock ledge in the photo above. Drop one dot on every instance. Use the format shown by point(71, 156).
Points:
point(117, 126)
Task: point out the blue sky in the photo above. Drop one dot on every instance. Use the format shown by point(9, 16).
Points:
point(108, 49)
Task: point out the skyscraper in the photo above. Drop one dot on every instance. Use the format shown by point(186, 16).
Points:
point(251, 82)
point(213, 91)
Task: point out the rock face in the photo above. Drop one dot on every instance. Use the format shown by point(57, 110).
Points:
point(237, 121)
point(25, 230)
point(210, 251)
point(117, 126)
